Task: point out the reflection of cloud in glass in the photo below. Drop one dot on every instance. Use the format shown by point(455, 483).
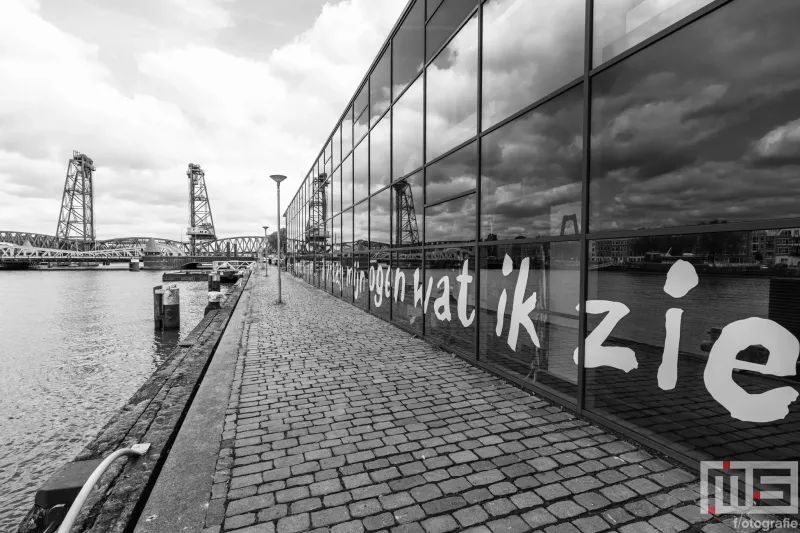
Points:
point(408, 48)
point(532, 171)
point(380, 219)
point(454, 174)
point(701, 125)
point(361, 168)
point(530, 48)
point(380, 88)
point(452, 221)
point(452, 93)
point(347, 182)
point(379, 163)
point(347, 132)
point(407, 135)
point(622, 24)
point(347, 226)
point(361, 221)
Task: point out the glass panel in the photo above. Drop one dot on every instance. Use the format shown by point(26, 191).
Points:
point(379, 155)
point(531, 178)
point(361, 171)
point(362, 100)
point(408, 49)
point(328, 155)
point(347, 182)
point(530, 49)
point(347, 133)
point(456, 173)
point(407, 134)
point(553, 275)
point(327, 268)
point(336, 260)
point(360, 275)
point(380, 88)
point(680, 137)
point(452, 113)
point(622, 24)
point(337, 191)
point(404, 312)
point(452, 221)
point(380, 220)
point(443, 322)
point(449, 17)
point(432, 5)
point(691, 309)
point(347, 253)
point(337, 146)
point(408, 226)
point(361, 127)
point(380, 284)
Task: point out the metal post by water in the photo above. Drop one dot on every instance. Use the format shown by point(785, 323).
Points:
point(166, 307)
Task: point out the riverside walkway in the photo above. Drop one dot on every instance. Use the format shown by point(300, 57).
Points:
point(339, 422)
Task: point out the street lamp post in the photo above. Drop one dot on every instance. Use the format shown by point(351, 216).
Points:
point(278, 178)
point(266, 252)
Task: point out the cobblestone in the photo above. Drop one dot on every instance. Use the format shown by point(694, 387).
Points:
point(341, 423)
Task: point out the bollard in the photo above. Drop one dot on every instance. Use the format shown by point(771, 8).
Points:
point(214, 301)
point(166, 307)
point(134, 265)
point(213, 282)
point(158, 297)
point(172, 307)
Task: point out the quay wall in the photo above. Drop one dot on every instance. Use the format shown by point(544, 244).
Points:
point(152, 415)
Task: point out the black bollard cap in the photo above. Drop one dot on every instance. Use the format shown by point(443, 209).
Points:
point(65, 484)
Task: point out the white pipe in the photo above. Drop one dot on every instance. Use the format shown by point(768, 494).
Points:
point(137, 450)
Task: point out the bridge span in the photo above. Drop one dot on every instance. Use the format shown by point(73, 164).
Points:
point(16, 246)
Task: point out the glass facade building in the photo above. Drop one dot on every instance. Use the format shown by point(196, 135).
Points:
point(594, 199)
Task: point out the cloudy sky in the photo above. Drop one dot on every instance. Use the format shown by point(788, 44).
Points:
point(245, 88)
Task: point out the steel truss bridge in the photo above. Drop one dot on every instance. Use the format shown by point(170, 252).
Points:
point(26, 247)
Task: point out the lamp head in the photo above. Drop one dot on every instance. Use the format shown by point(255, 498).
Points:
point(278, 178)
point(266, 228)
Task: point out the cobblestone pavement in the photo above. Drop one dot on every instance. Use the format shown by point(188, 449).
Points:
point(340, 422)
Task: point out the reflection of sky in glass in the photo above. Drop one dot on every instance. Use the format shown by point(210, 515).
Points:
point(622, 24)
point(347, 182)
point(337, 191)
point(530, 48)
point(447, 18)
point(452, 221)
point(379, 162)
point(703, 125)
point(361, 127)
point(361, 221)
point(380, 212)
point(347, 132)
point(361, 168)
point(347, 226)
point(452, 103)
point(408, 49)
point(454, 174)
point(532, 171)
point(380, 88)
point(407, 134)
point(337, 146)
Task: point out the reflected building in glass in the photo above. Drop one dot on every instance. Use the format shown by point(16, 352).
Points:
point(612, 224)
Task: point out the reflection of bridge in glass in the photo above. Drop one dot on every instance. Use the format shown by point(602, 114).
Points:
point(26, 247)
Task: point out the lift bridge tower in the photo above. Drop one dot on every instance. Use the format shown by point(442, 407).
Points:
point(201, 224)
point(405, 226)
point(316, 230)
point(76, 220)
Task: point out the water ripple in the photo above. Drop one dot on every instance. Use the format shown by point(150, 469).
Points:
point(74, 346)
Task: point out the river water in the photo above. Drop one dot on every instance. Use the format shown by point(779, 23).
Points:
point(74, 346)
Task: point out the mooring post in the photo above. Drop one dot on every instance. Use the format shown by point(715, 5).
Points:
point(172, 307)
point(213, 282)
point(214, 301)
point(158, 313)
